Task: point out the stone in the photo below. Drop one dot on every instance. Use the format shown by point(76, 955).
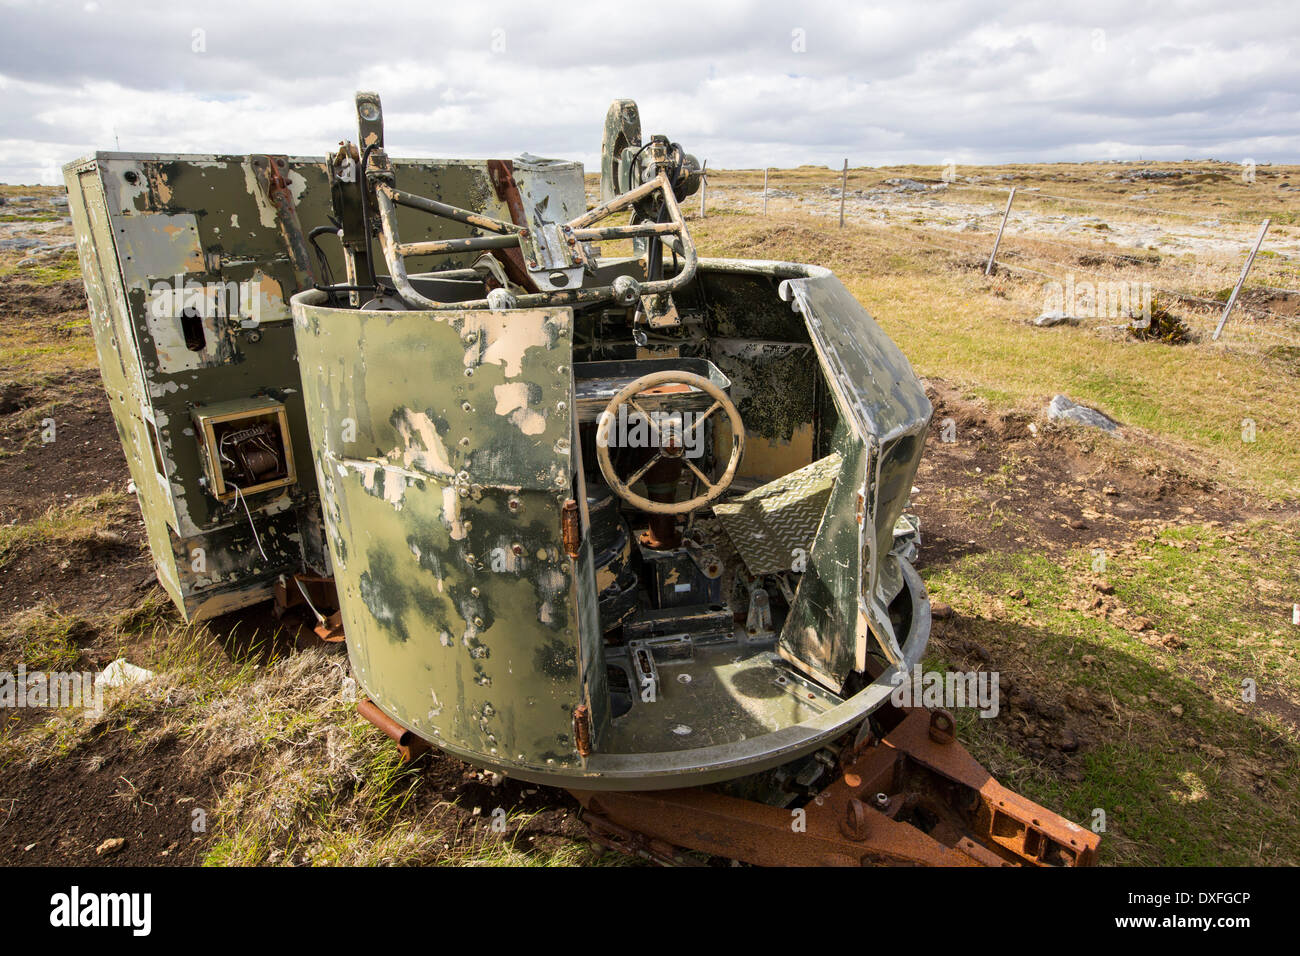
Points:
point(1054, 318)
point(110, 846)
point(1062, 408)
point(122, 672)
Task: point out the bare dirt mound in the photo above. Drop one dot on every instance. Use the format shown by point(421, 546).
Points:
point(1009, 481)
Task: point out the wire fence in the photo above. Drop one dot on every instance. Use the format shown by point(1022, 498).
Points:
point(1225, 279)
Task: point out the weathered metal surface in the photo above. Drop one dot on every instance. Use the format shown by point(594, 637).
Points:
point(159, 234)
point(445, 456)
point(880, 400)
point(495, 599)
point(903, 800)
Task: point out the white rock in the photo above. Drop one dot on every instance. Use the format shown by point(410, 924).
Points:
point(122, 672)
point(1062, 407)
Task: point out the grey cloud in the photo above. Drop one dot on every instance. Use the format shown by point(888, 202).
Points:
point(897, 83)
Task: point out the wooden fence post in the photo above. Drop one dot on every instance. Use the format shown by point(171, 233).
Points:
point(988, 269)
point(1232, 299)
point(844, 188)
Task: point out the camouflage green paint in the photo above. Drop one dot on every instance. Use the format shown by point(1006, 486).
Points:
point(146, 221)
point(442, 443)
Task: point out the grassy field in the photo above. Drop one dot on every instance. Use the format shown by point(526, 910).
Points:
point(1128, 591)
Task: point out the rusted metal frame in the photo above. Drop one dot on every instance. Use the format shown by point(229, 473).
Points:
point(438, 247)
point(468, 217)
point(624, 232)
point(502, 174)
point(725, 826)
point(618, 203)
point(690, 259)
point(410, 745)
point(1012, 826)
point(266, 169)
point(859, 819)
point(392, 249)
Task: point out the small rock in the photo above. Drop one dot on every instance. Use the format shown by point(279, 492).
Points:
point(940, 611)
point(110, 846)
point(121, 672)
point(1051, 319)
point(1062, 408)
point(1176, 710)
point(1068, 742)
point(1015, 594)
point(1078, 524)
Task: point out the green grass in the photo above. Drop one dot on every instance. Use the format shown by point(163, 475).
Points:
point(952, 324)
point(47, 271)
point(1187, 772)
point(43, 638)
point(80, 521)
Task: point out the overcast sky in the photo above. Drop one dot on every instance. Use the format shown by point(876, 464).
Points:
point(743, 84)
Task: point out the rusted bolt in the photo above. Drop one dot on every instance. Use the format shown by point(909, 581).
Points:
point(515, 505)
point(464, 443)
point(474, 592)
point(478, 622)
point(517, 548)
point(882, 801)
point(941, 727)
point(854, 823)
point(466, 407)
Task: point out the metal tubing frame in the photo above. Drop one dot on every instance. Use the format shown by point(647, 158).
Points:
point(388, 198)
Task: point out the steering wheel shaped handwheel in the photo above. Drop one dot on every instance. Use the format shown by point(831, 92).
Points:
point(623, 488)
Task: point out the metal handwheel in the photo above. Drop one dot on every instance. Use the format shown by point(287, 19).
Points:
point(669, 446)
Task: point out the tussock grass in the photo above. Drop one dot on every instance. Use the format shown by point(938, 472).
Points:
point(319, 785)
point(79, 523)
point(42, 637)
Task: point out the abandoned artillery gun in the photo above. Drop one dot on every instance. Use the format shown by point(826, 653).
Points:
point(629, 525)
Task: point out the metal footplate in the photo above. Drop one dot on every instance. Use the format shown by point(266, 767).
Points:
point(913, 798)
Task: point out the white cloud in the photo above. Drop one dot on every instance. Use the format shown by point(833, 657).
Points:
point(878, 84)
